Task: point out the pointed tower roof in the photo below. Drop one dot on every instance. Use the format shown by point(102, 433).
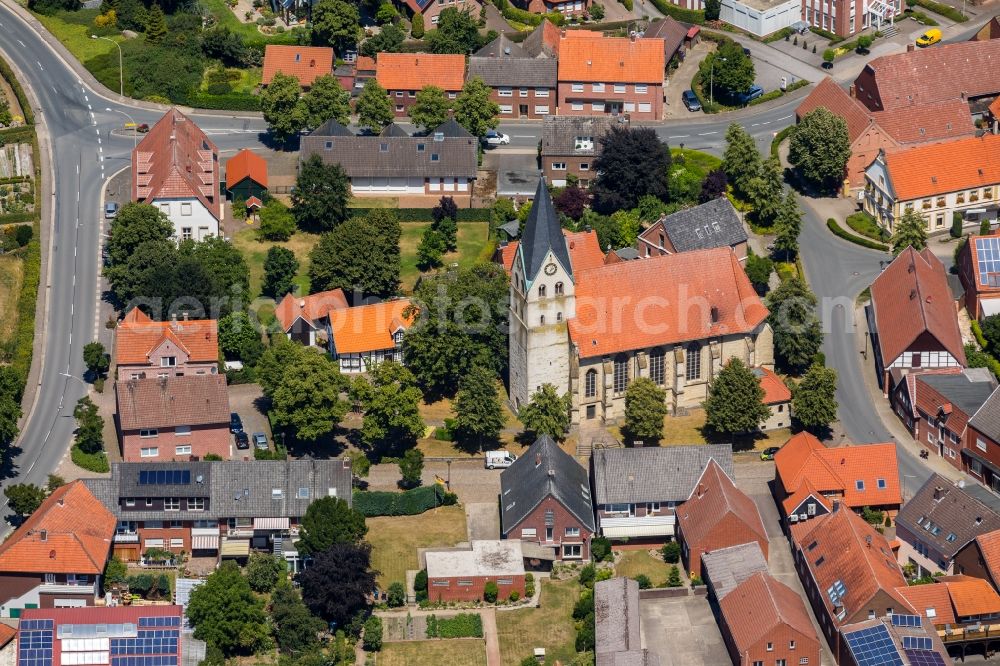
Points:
point(542, 233)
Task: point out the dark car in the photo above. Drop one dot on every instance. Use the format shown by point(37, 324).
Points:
point(750, 95)
point(242, 441)
point(691, 100)
point(235, 423)
point(260, 441)
point(768, 453)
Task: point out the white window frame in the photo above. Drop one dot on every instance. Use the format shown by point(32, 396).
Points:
point(506, 108)
point(149, 433)
point(597, 87)
point(182, 450)
point(186, 209)
point(641, 89)
point(577, 87)
point(505, 92)
point(196, 504)
point(572, 532)
point(541, 109)
point(645, 107)
point(149, 452)
point(619, 88)
point(168, 362)
point(171, 504)
point(558, 166)
point(529, 533)
point(522, 92)
point(576, 106)
point(541, 92)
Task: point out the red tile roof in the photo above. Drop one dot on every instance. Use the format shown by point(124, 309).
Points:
point(760, 605)
point(638, 304)
point(368, 328)
point(589, 56)
point(101, 614)
point(246, 164)
point(805, 490)
point(167, 402)
point(995, 105)
point(137, 336)
point(832, 97)
point(364, 64)
point(911, 297)
point(305, 63)
point(311, 308)
point(775, 390)
point(7, 634)
point(931, 601)
point(939, 168)
point(936, 121)
point(989, 548)
point(413, 71)
point(910, 378)
point(70, 532)
point(971, 596)
point(716, 497)
point(176, 159)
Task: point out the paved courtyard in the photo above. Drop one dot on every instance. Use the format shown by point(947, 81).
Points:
point(682, 631)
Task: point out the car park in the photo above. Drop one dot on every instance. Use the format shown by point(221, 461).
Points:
point(235, 423)
point(494, 138)
point(242, 441)
point(260, 441)
point(110, 210)
point(691, 100)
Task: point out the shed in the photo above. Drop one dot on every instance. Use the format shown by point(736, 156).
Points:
point(246, 176)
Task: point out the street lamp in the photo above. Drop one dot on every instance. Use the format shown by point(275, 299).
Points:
point(121, 73)
point(711, 80)
point(135, 129)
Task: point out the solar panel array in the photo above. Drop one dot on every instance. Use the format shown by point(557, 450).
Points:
point(157, 641)
point(900, 620)
point(924, 658)
point(873, 647)
point(159, 660)
point(988, 255)
point(161, 477)
point(34, 643)
point(917, 643)
point(171, 621)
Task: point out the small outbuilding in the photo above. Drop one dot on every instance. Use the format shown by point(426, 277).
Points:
point(246, 176)
point(462, 575)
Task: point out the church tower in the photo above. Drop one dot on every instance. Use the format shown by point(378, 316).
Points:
point(542, 300)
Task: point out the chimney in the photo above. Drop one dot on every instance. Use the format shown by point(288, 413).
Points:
point(61, 501)
point(538, 459)
point(186, 314)
point(853, 91)
point(836, 506)
point(938, 492)
point(173, 321)
point(910, 47)
point(552, 473)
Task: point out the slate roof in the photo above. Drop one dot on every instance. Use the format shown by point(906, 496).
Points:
point(653, 474)
point(945, 516)
point(542, 234)
point(166, 402)
point(392, 129)
point(716, 497)
point(911, 297)
point(235, 489)
point(761, 605)
point(511, 71)
point(544, 470)
point(362, 156)
point(672, 33)
point(726, 568)
point(502, 46)
point(559, 133)
point(712, 224)
point(987, 419)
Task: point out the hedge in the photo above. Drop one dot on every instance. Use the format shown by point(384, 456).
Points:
point(826, 34)
point(424, 214)
point(8, 74)
point(942, 9)
point(513, 13)
point(775, 94)
point(779, 137)
point(463, 625)
point(92, 462)
point(696, 16)
point(864, 224)
point(230, 102)
point(16, 218)
point(857, 240)
point(409, 503)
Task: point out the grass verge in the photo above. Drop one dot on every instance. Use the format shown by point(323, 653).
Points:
point(840, 232)
point(395, 539)
point(550, 626)
point(466, 652)
point(11, 278)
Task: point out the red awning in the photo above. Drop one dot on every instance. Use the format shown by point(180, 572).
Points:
point(693, 32)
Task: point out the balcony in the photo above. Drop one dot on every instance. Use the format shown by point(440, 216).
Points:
point(204, 531)
point(242, 531)
point(634, 526)
point(127, 537)
point(67, 588)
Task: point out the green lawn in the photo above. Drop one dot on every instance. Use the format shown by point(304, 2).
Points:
point(550, 626)
point(255, 252)
point(695, 159)
point(11, 277)
point(240, 80)
point(472, 239)
point(74, 29)
point(395, 539)
point(454, 652)
point(635, 562)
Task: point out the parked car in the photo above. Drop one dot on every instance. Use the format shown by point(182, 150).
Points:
point(495, 138)
point(110, 210)
point(750, 95)
point(768, 453)
point(235, 423)
point(142, 128)
point(242, 441)
point(260, 441)
point(499, 458)
point(691, 100)
point(932, 36)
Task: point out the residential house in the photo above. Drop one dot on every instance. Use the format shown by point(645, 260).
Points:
point(990, 30)
point(541, 42)
point(395, 163)
point(936, 405)
point(717, 515)
point(610, 75)
point(364, 69)
point(568, 8)
point(712, 224)
point(981, 558)
point(431, 9)
point(847, 569)
point(523, 87)
point(146, 348)
point(462, 574)
point(305, 63)
point(912, 318)
point(979, 271)
point(724, 569)
point(571, 328)
point(570, 145)
point(365, 335)
point(940, 181)
point(176, 168)
point(56, 557)
point(306, 319)
point(638, 490)
point(954, 603)
point(246, 176)
point(403, 75)
point(674, 35)
point(101, 636)
point(173, 418)
point(810, 477)
point(216, 509)
point(545, 500)
point(893, 638)
point(777, 397)
point(765, 620)
point(616, 625)
point(981, 454)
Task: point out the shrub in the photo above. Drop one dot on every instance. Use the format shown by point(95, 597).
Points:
point(397, 595)
point(584, 606)
point(984, 228)
point(587, 575)
point(671, 552)
point(409, 503)
point(92, 462)
point(373, 634)
point(419, 583)
point(866, 225)
point(529, 585)
point(600, 549)
point(490, 592)
point(644, 582)
point(956, 225)
point(674, 577)
point(514, 595)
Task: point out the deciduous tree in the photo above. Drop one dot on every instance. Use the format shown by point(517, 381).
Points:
point(284, 113)
point(759, 270)
point(911, 231)
point(226, 614)
point(764, 192)
point(296, 630)
point(547, 413)
point(322, 191)
point(135, 224)
point(814, 402)
point(431, 249)
point(280, 267)
point(389, 40)
point(264, 571)
point(741, 160)
point(95, 358)
point(572, 202)
point(326, 99)
point(788, 225)
point(729, 69)
point(633, 163)
point(735, 401)
point(239, 338)
point(457, 32)
point(335, 23)
point(474, 110)
point(797, 331)
point(430, 108)
point(338, 583)
point(411, 466)
point(479, 415)
point(712, 8)
point(305, 389)
point(89, 426)
point(276, 222)
point(373, 106)
point(361, 254)
point(714, 186)
point(391, 403)
point(24, 498)
point(645, 408)
point(329, 521)
point(819, 149)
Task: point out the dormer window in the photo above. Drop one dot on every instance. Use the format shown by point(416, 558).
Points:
point(583, 143)
point(298, 57)
point(439, 136)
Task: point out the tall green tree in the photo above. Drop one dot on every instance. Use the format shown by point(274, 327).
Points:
point(764, 192)
point(759, 271)
point(373, 106)
point(788, 225)
point(321, 194)
point(338, 584)
point(547, 413)
point(296, 630)
point(95, 358)
point(361, 254)
point(814, 401)
point(335, 23)
point(479, 415)
point(10, 406)
point(326, 99)
point(417, 26)
point(389, 40)
point(474, 110)
point(280, 267)
point(391, 403)
point(911, 231)
point(264, 571)
point(735, 403)
point(819, 149)
point(445, 216)
point(227, 615)
point(89, 426)
point(431, 249)
point(284, 112)
point(728, 69)
point(135, 224)
point(156, 25)
point(329, 520)
point(239, 338)
point(712, 9)
point(411, 467)
point(741, 159)
point(24, 498)
point(430, 108)
point(795, 322)
point(457, 32)
point(305, 387)
point(632, 163)
point(645, 409)
point(276, 222)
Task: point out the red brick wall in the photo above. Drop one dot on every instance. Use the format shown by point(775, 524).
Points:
point(563, 519)
point(202, 440)
point(406, 101)
point(455, 592)
point(653, 96)
point(730, 531)
point(531, 101)
point(573, 165)
point(781, 639)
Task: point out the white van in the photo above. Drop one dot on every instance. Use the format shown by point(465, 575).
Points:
point(500, 458)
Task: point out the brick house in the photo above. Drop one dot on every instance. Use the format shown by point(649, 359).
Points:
point(981, 453)
point(523, 87)
point(777, 398)
point(145, 348)
point(717, 515)
point(616, 625)
point(889, 639)
point(981, 558)
point(431, 9)
point(462, 574)
point(306, 319)
point(305, 63)
point(610, 75)
point(570, 145)
point(712, 224)
point(955, 602)
point(979, 271)
point(545, 500)
point(56, 557)
point(174, 418)
point(403, 75)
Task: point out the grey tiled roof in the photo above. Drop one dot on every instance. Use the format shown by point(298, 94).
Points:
point(559, 133)
point(654, 474)
point(508, 71)
point(392, 129)
point(235, 489)
point(331, 128)
point(535, 45)
point(501, 46)
point(671, 31)
point(544, 470)
point(726, 568)
point(712, 224)
point(404, 156)
point(963, 391)
point(542, 233)
point(987, 419)
point(984, 495)
point(946, 516)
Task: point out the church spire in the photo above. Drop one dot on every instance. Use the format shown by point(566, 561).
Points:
point(542, 233)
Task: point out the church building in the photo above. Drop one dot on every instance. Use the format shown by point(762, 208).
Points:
point(589, 327)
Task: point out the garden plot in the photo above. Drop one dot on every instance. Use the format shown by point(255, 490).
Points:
point(15, 160)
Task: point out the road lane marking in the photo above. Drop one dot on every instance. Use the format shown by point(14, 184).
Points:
point(706, 133)
point(766, 122)
point(20, 42)
point(523, 136)
point(40, 65)
point(679, 136)
point(785, 118)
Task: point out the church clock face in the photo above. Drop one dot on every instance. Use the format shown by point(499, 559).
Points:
point(550, 269)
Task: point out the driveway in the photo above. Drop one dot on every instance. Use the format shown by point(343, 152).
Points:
point(682, 631)
point(517, 172)
point(243, 399)
point(482, 520)
point(469, 479)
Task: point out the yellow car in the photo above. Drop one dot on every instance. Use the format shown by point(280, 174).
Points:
point(932, 36)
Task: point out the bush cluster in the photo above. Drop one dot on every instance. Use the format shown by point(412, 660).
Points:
point(409, 503)
point(463, 625)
